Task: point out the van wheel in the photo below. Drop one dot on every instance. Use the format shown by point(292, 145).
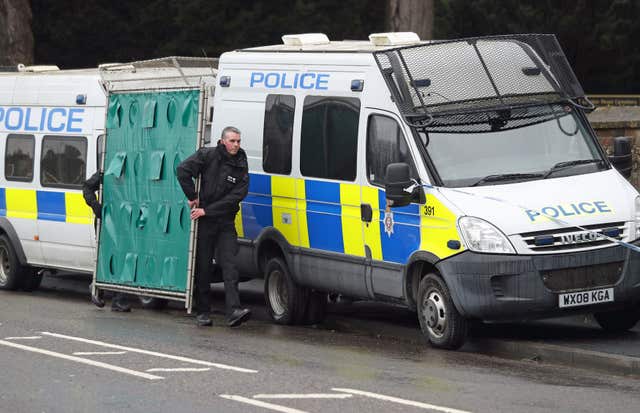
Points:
point(316, 307)
point(152, 303)
point(440, 322)
point(31, 279)
point(10, 268)
point(618, 321)
point(285, 299)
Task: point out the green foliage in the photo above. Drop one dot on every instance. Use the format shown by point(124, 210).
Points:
point(84, 33)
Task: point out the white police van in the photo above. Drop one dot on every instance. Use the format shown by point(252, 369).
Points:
point(50, 124)
point(460, 178)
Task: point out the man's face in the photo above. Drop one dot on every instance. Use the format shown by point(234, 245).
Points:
point(231, 141)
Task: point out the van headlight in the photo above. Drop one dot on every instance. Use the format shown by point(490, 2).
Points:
point(637, 216)
point(481, 236)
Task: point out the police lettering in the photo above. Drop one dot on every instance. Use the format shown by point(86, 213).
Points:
point(19, 119)
point(574, 209)
point(284, 80)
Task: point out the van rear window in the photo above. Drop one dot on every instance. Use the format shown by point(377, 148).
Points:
point(64, 161)
point(329, 137)
point(278, 133)
point(18, 158)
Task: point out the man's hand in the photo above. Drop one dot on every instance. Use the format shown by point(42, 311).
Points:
point(194, 204)
point(197, 213)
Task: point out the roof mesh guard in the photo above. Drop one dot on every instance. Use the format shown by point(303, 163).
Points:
point(166, 72)
point(480, 84)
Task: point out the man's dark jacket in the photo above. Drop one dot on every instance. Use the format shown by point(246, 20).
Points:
point(89, 189)
point(225, 180)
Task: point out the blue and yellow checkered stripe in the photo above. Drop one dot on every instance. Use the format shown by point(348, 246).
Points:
point(44, 205)
point(326, 216)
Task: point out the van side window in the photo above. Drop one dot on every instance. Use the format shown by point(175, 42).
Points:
point(385, 145)
point(63, 161)
point(278, 133)
point(99, 151)
point(18, 158)
point(329, 137)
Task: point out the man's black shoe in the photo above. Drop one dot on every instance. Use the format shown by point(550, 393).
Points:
point(120, 307)
point(203, 320)
point(238, 316)
point(97, 300)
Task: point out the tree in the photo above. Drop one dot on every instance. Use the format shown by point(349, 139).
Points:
point(16, 39)
point(411, 16)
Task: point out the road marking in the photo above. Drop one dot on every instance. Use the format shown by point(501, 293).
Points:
point(152, 353)
point(82, 360)
point(181, 369)
point(23, 338)
point(401, 401)
point(302, 396)
point(258, 403)
point(98, 353)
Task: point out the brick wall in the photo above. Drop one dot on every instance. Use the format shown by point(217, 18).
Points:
point(610, 122)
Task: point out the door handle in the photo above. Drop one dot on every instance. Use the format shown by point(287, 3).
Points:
point(366, 212)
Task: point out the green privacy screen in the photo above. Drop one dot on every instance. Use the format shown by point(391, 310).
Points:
point(145, 227)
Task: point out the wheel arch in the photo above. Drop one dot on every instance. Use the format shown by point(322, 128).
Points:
point(7, 228)
point(419, 265)
point(271, 243)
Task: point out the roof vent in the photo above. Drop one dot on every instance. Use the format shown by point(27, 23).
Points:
point(305, 39)
point(37, 69)
point(393, 38)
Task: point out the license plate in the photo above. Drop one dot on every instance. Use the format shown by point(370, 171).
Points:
point(603, 295)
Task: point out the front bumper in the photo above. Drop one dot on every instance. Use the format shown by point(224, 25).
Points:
point(496, 287)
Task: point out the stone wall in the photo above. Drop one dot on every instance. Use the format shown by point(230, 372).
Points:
point(612, 121)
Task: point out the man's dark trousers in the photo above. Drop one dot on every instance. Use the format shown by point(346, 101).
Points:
point(219, 238)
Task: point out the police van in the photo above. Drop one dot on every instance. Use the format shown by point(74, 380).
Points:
point(459, 178)
point(51, 123)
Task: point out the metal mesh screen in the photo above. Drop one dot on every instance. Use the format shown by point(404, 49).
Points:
point(480, 84)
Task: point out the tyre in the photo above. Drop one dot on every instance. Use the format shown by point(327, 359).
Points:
point(286, 301)
point(10, 268)
point(316, 308)
point(153, 303)
point(618, 321)
point(440, 322)
point(31, 279)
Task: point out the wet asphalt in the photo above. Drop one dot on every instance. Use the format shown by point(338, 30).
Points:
point(373, 350)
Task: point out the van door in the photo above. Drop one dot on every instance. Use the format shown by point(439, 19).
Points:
point(65, 223)
point(391, 235)
point(329, 198)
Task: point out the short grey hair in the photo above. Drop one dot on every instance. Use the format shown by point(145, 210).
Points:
point(229, 129)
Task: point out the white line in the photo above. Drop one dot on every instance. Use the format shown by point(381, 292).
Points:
point(152, 353)
point(302, 396)
point(23, 338)
point(258, 403)
point(401, 401)
point(98, 353)
point(182, 369)
point(81, 360)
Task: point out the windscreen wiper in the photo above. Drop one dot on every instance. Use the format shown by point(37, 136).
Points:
point(567, 164)
point(506, 177)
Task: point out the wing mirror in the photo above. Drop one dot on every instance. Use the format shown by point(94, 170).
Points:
point(621, 158)
point(400, 189)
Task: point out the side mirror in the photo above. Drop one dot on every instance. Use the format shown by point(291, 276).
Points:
point(621, 158)
point(397, 179)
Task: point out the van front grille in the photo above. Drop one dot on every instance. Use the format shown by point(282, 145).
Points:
point(572, 238)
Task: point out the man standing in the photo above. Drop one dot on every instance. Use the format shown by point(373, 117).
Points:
point(224, 183)
point(89, 188)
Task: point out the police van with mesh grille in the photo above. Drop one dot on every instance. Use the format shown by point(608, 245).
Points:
point(459, 178)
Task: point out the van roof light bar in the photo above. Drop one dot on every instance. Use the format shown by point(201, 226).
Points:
point(394, 38)
point(305, 39)
point(37, 69)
